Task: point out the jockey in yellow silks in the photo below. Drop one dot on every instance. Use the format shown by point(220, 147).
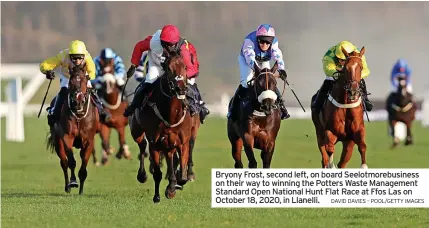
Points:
point(333, 62)
point(76, 54)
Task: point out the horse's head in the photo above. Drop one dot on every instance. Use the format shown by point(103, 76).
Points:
point(402, 85)
point(352, 70)
point(108, 80)
point(264, 86)
point(78, 89)
point(175, 69)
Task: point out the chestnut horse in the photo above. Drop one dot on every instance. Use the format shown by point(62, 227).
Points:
point(111, 94)
point(76, 127)
point(166, 123)
point(401, 107)
point(258, 120)
point(341, 118)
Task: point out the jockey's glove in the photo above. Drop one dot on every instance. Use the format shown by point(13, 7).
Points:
point(50, 74)
point(131, 71)
point(282, 74)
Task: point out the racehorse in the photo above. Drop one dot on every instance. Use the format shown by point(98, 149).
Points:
point(111, 96)
point(258, 119)
point(341, 119)
point(166, 123)
point(401, 107)
point(76, 127)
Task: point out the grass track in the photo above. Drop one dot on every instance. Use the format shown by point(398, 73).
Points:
point(33, 195)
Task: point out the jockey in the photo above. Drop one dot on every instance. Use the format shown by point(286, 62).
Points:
point(166, 40)
point(401, 69)
point(142, 68)
point(107, 56)
point(333, 62)
point(76, 54)
point(259, 46)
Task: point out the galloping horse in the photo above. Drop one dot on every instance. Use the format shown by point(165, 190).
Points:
point(341, 119)
point(76, 128)
point(166, 123)
point(110, 94)
point(401, 107)
point(258, 120)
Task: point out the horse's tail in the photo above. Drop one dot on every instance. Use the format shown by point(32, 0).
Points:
point(50, 140)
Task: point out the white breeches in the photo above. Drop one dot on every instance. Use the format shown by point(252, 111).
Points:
point(64, 82)
point(246, 73)
point(155, 70)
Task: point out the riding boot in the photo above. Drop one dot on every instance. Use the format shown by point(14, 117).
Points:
point(139, 97)
point(55, 112)
point(368, 104)
point(204, 110)
point(240, 93)
point(280, 101)
point(322, 94)
point(105, 116)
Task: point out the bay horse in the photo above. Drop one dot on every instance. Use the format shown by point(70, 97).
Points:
point(258, 119)
point(76, 128)
point(401, 107)
point(111, 96)
point(166, 123)
point(341, 118)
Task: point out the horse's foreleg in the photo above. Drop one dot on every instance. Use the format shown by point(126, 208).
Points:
point(85, 153)
point(141, 174)
point(409, 139)
point(105, 135)
point(325, 157)
point(157, 174)
point(64, 163)
point(184, 158)
point(268, 155)
point(360, 142)
point(392, 131)
point(236, 146)
point(330, 140)
point(170, 191)
point(346, 153)
point(248, 148)
point(94, 158)
point(123, 150)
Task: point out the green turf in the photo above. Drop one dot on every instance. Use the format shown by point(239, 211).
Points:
point(33, 195)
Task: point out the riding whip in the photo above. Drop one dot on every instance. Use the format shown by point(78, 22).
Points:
point(46, 94)
point(123, 89)
point(295, 95)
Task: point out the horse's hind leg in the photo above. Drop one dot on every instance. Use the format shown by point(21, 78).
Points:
point(267, 155)
point(360, 142)
point(105, 136)
point(94, 158)
point(346, 153)
point(409, 140)
point(123, 148)
point(85, 153)
point(191, 174)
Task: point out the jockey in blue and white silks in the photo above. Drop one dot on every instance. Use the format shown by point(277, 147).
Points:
point(106, 56)
point(401, 69)
point(259, 46)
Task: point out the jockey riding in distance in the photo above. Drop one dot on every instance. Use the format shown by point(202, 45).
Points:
point(333, 62)
point(259, 46)
point(167, 40)
point(106, 57)
point(401, 69)
point(76, 54)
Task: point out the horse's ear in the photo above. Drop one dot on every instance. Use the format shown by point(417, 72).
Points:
point(275, 66)
point(362, 51)
point(344, 52)
point(256, 67)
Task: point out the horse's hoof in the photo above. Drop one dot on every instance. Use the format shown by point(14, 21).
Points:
point(191, 177)
point(408, 142)
point(73, 184)
point(118, 155)
point(111, 150)
point(67, 189)
point(156, 199)
point(142, 177)
point(104, 161)
point(97, 164)
point(146, 154)
point(170, 194)
point(364, 166)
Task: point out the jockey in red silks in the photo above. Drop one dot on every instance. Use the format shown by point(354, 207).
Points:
point(166, 40)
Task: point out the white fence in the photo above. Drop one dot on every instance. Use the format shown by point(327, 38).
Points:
point(17, 98)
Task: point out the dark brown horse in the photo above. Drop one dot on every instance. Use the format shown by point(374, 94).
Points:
point(258, 120)
point(341, 118)
point(111, 95)
point(76, 127)
point(166, 123)
point(401, 107)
